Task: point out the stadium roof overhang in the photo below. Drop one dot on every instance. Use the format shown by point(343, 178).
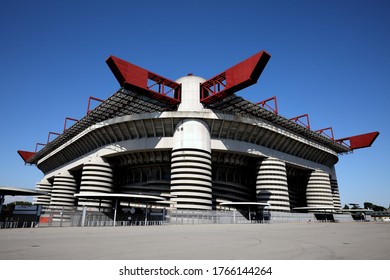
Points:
point(123, 102)
point(97, 195)
point(319, 209)
point(357, 210)
point(245, 203)
point(143, 91)
point(237, 104)
point(19, 191)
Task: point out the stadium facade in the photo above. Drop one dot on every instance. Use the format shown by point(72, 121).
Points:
point(190, 144)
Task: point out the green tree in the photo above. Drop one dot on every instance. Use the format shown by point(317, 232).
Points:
point(376, 208)
point(368, 205)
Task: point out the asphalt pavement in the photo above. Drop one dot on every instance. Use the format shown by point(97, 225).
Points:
point(293, 241)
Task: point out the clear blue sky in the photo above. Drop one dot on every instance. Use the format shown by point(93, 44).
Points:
point(330, 59)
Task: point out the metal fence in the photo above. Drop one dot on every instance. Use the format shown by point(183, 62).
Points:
point(210, 217)
point(80, 218)
point(73, 217)
point(18, 224)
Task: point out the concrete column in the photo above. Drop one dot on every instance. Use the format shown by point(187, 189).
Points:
point(46, 186)
point(318, 191)
point(271, 184)
point(97, 177)
point(335, 194)
point(191, 174)
point(335, 189)
point(62, 197)
point(64, 188)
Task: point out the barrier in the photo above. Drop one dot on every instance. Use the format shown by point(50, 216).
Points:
point(9, 224)
point(78, 217)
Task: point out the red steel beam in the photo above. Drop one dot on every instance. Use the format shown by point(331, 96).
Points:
point(322, 132)
point(264, 104)
point(51, 133)
point(68, 119)
point(298, 120)
point(238, 77)
point(38, 144)
point(89, 102)
point(360, 141)
point(132, 76)
point(25, 155)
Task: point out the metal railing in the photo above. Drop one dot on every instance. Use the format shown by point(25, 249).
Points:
point(211, 217)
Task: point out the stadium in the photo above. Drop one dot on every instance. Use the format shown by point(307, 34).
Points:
point(158, 148)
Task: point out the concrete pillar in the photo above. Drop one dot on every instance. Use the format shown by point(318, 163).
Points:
point(62, 197)
point(191, 173)
point(97, 177)
point(318, 191)
point(335, 194)
point(64, 188)
point(271, 184)
point(335, 189)
point(46, 186)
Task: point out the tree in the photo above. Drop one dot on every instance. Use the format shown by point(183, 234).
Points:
point(346, 207)
point(374, 207)
point(378, 208)
point(11, 206)
point(368, 205)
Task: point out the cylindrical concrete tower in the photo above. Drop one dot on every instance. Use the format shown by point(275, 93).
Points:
point(271, 184)
point(190, 93)
point(318, 191)
point(64, 188)
point(335, 193)
point(45, 186)
point(191, 172)
point(96, 177)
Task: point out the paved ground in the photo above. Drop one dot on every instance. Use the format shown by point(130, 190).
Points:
point(311, 241)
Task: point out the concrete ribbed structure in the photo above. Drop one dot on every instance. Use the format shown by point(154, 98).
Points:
point(46, 186)
point(64, 189)
point(96, 177)
point(271, 184)
point(318, 191)
point(191, 181)
point(191, 172)
point(335, 193)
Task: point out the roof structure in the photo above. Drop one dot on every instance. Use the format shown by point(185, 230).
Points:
point(237, 104)
point(19, 191)
point(143, 91)
point(100, 195)
point(123, 102)
point(244, 203)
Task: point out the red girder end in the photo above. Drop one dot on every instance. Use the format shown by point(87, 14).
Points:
point(126, 72)
point(132, 76)
point(360, 141)
point(238, 77)
point(25, 155)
